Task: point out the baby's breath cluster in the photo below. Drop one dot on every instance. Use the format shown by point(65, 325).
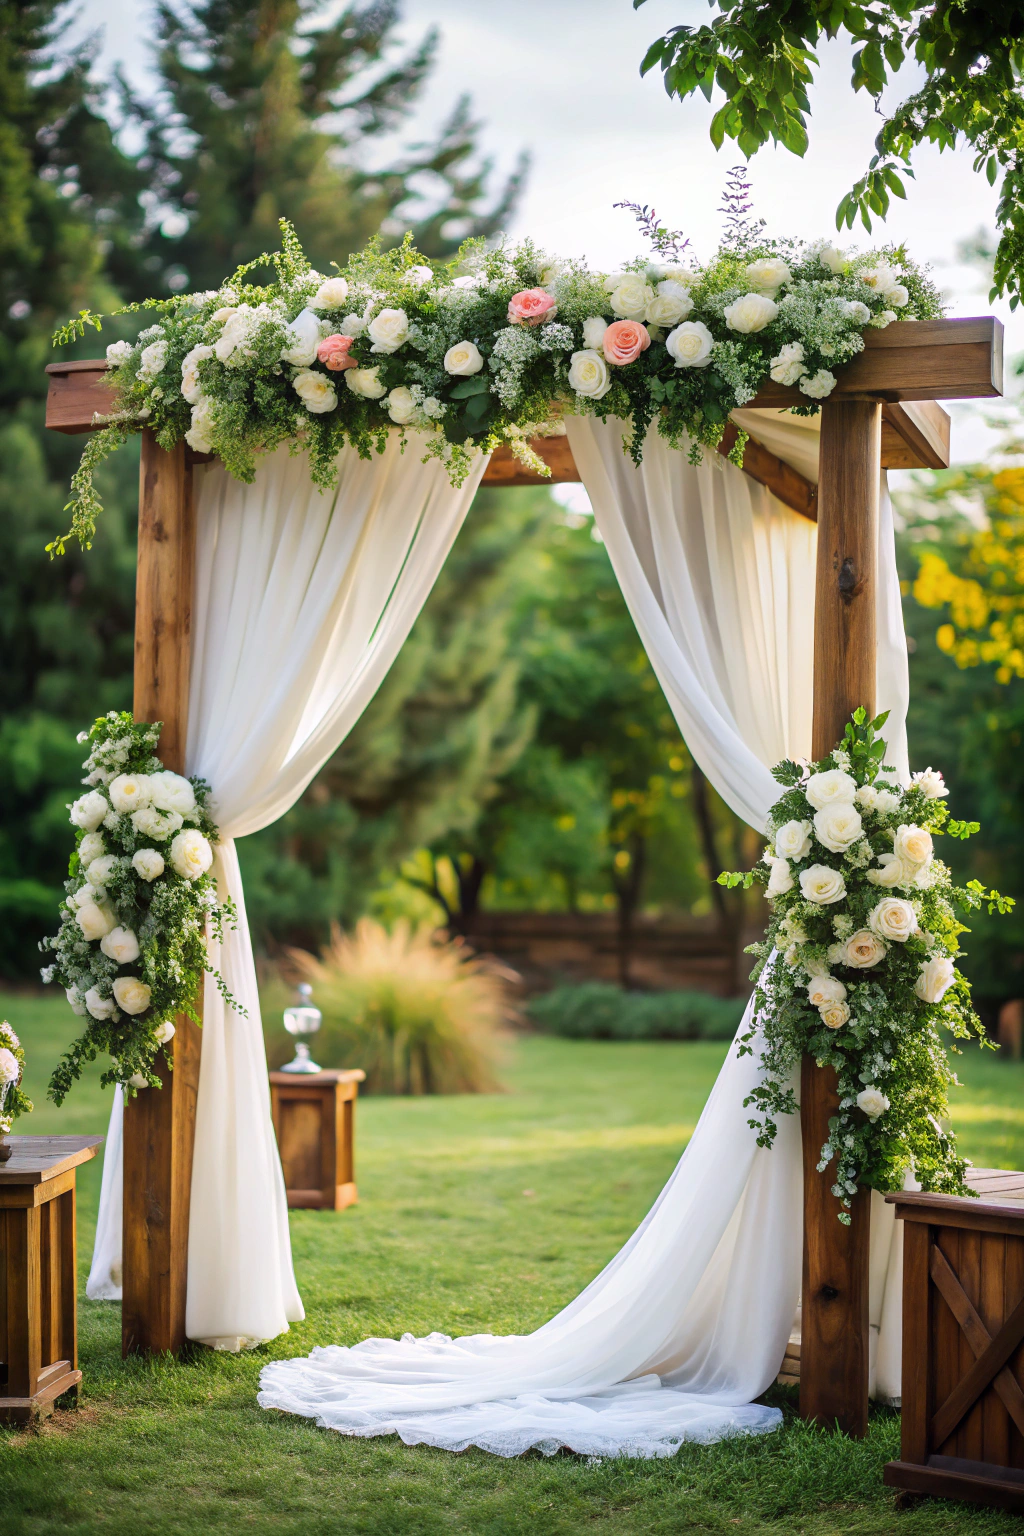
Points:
point(13, 1099)
point(493, 347)
point(858, 967)
point(131, 948)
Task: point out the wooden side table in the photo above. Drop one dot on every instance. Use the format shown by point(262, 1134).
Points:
point(314, 1118)
point(963, 1343)
point(38, 1315)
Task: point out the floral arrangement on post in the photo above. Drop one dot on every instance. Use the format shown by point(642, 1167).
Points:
point(131, 948)
point(13, 1100)
point(858, 965)
point(492, 348)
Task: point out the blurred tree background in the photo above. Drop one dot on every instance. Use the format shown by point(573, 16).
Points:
point(520, 754)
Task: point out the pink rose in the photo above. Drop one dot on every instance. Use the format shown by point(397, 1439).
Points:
point(624, 340)
point(333, 353)
point(531, 307)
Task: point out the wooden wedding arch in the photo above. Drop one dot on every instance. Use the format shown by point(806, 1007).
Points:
point(882, 413)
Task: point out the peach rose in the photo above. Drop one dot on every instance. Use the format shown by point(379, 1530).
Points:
point(333, 352)
point(531, 307)
point(623, 342)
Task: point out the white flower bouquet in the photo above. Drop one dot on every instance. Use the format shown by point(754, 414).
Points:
point(13, 1100)
point(491, 348)
point(131, 948)
point(858, 967)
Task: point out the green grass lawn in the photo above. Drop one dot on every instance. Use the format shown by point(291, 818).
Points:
point(477, 1213)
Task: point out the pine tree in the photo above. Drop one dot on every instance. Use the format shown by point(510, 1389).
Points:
point(264, 111)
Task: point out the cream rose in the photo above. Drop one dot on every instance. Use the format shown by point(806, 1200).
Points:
point(151, 361)
point(781, 879)
point(95, 920)
point(76, 1000)
point(931, 784)
point(204, 424)
point(893, 919)
point(91, 847)
point(148, 864)
point(893, 872)
point(818, 385)
point(768, 274)
point(862, 950)
point(830, 256)
point(190, 854)
point(164, 1032)
point(750, 313)
point(88, 811)
point(838, 826)
point(388, 330)
point(100, 871)
point(131, 994)
point(589, 374)
point(138, 1080)
point(793, 840)
point(886, 800)
point(822, 885)
point(401, 405)
point(365, 382)
point(331, 294)
point(935, 978)
point(835, 1015)
point(463, 359)
point(191, 388)
point(130, 792)
point(172, 792)
point(671, 303)
point(118, 352)
point(913, 845)
point(822, 990)
point(120, 944)
point(301, 339)
point(833, 787)
point(316, 391)
point(418, 276)
point(690, 344)
point(99, 1007)
point(898, 295)
point(629, 295)
point(594, 328)
point(789, 366)
point(159, 825)
point(873, 1102)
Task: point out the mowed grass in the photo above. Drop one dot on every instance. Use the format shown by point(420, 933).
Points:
point(476, 1213)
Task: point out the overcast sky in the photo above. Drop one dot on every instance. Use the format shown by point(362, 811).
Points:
point(560, 78)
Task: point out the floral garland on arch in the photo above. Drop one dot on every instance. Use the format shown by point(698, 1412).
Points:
point(858, 969)
point(493, 347)
point(13, 1099)
point(131, 948)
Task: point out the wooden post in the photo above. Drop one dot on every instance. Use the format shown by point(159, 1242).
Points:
point(834, 1305)
point(159, 1124)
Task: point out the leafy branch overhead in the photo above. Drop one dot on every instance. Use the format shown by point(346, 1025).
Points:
point(761, 56)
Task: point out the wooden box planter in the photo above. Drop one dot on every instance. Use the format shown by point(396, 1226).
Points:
point(38, 1318)
point(963, 1343)
point(314, 1119)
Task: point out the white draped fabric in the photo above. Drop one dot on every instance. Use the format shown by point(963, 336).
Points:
point(688, 1323)
point(304, 599)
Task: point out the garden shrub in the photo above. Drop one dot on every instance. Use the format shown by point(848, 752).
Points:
point(598, 1011)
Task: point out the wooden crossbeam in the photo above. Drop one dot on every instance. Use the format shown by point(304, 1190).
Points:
point(977, 1336)
point(987, 1365)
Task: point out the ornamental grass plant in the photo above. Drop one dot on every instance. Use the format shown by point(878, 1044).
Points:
point(418, 1012)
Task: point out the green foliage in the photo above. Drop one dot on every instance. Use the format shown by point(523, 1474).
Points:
point(596, 1011)
point(971, 56)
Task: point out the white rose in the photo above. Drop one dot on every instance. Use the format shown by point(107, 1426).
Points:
point(84, 894)
point(365, 382)
point(100, 870)
point(191, 854)
point(204, 424)
point(822, 885)
point(172, 792)
point(750, 313)
point(881, 277)
point(913, 845)
point(463, 359)
point(934, 979)
point(886, 800)
point(152, 361)
point(884, 319)
point(118, 352)
point(780, 880)
point(593, 331)
point(893, 872)
point(678, 275)
point(931, 784)
point(94, 920)
point(130, 791)
point(862, 950)
point(837, 827)
point(818, 385)
point(388, 330)
point(856, 311)
point(873, 1102)
point(671, 303)
point(768, 274)
point(898, 295)
point(120, 944)
point(793, 840)
point(301, 339)
point(237, 327)
point(76, 1000)
point(164, 1032)
point(138, 1080)
point(789, 365)
point(401, 405)
point(589, 374)
point(91, 847)
point(159, 825)
point(893, 919)
point(419, 277)
point(148, 864)
point(629, 295)
point(830, 256)
point(432, 407)
point(88, 811)
point(835, 1015)
point(316, 391)
point(352, 325)
point(132, 994)
point(833, 787)
point(867, 797)
point(822, 990)
point(99, 1007)
point(331, 294)
point(220, 315)
point(690, 344)
point(190, 386)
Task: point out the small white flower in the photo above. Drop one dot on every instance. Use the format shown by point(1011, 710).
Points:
point(589, 374)
point(138, 1080)
point(768, 274)
point(781, 879)
point(191, 854)
point(594, 328)
point(830, 256)
point(130, 792)
point(793, 840)
point(913, 845)
point(882, 277)
point(76, 1000)
point(204, 424)
point(822, 990)
point(401, 405)
point(159, 825)
point(935, 978)
point(418, 276)
point(91, 847)
point(867, 797)
point(118, 352)
point(893, 919)
point(365, 382)
point(898, 295)
point(931, 784)
point(463, 359)
point(131, 994)
point(690, 344)
point(833, 787)
point(100, 871)
point(818, 385)
point(190, 386)
point(331, 294)
point(862, 950)
point(95, 920)
point(99, 1007)
point(10, 1069)
point(885, 318)
point(822, 885)
point(316, 391)
point(750, 313)
point(432, 407)
point(352, 325)
point(789, 365)
point(388, 330)
point(151, 361)
point(148, 864)
point(172, 792)
point(89, 810)
point(856, 311)
point(164, 1032)
point(301, 339)
point(873, 1102)
point(120, 944)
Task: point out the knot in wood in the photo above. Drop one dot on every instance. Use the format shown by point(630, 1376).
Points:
point(850, 585)
point(828, 1292)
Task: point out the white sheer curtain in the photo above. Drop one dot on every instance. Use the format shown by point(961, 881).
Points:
point(688, 1323)
point(303, 601)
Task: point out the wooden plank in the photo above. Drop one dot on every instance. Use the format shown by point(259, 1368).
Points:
point(159, 1124)
point(774, 474)
point(916, 1376)
point(945, 1340)
point(834, 1301)
point(982, 1485)
point(915, 435)
point(76, 394)
point(19, 1253)
point(970, 1386)
point(505, 469)
point(68, 1278)
point(977, 1331)
point(36, 1159)
point(969, 1437)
